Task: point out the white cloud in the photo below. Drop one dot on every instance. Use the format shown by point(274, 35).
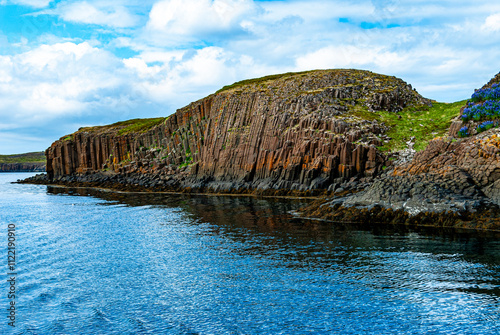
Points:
point(5, 69)
point(54, 80)
point(141, 68)
point(180, 80)
point(150, 56)
point(195, 18)
point(349, 56)
point(99, 13)
point(492, 23)
point(51, 56)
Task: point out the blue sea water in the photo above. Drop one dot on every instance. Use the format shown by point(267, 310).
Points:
point(97, 262)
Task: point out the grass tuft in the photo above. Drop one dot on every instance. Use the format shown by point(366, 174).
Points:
point(261, 80)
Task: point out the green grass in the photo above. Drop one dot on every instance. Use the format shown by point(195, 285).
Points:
point(140, 125)
point(261, 80)
point(31, 157)
point(435, 122)
point(124, 127)
point(187, 162)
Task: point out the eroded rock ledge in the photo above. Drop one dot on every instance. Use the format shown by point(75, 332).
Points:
point(453, 182)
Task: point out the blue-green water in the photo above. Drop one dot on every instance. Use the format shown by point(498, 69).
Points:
point(93, 262)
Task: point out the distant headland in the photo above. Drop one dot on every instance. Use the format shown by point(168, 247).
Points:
point(28, 162)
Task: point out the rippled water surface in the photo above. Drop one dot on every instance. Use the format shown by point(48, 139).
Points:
point(94, 262)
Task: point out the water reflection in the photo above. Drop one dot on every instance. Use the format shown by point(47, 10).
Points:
point(157, 263)
point(266, 214)
point(314, 242)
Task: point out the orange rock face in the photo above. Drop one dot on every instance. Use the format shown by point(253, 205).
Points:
point(477, 158)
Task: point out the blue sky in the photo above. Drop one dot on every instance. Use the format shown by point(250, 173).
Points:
point(68, 64)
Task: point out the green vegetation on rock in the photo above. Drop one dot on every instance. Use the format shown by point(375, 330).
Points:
point(124, 127)
point(30, 157)
point(424, 123)
point(260, 80)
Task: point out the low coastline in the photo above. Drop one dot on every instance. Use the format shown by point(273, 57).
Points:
point(22, 167)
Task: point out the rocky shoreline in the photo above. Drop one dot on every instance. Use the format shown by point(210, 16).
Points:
point(348, 204)
point(315, 134)
point(143, 182)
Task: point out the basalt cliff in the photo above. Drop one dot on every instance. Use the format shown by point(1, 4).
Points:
point(348, 134)
point(295, 131)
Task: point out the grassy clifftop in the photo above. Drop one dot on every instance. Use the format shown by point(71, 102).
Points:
point(122, 127)
point(30, 157)
point(261, 80)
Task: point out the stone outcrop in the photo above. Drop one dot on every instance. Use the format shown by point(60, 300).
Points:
point(294, 131)
point(451, 174)
point(22, 167)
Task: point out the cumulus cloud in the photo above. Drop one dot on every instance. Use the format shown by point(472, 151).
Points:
point(63, 86)
point(181, 19)
point(51, 88)
point(54, 80)
point(179, 79)
point(348, 56)
point(492, 23)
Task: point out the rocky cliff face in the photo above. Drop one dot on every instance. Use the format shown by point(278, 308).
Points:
point(451, 174)
point(22, 167)
point(295, 131)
